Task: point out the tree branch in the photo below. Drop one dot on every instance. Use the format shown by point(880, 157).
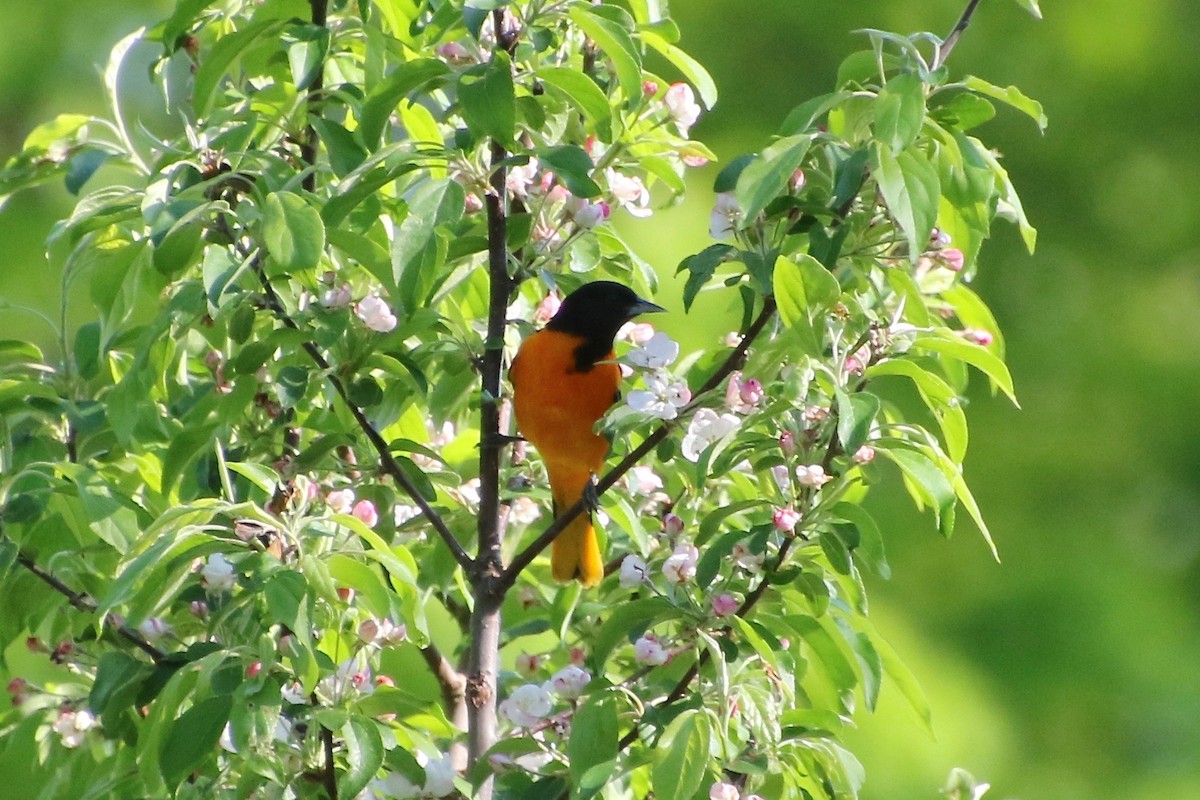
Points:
point(944, 50)
point(82, 602)
point(735, 360)
point(308, 147)
point(387, 461)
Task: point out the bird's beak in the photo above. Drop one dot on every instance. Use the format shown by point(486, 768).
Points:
point(644, 307)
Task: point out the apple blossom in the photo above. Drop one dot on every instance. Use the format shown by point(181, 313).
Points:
point(726, 214)
point(636, 332)
point(952, 259)
point(365, 510)
point(350, 680)
point(337, 297)
point(643, 481)
point(199, 609)
point(469, 492)
point(521, 176)
point(293, 693)
point(633, 571)
point(724, 604)
point(73, 726)
point(588, 215)
point(524, 510)
point(742, 396)
point(547, 308)
point(812, 475)
point(527, 705)
point(662, 398)
point(218, 574)
point(253, 669)
point(340, 501)
point(680, 566)
point(864, 454)
point(785, 519)
point(454, 53)
point(648, 652)
point(681, 103)
point(743, 558)
point(659, 351)
point(649, 88)
point(375, 314)
point(797, 181)
point(403, 512)
point(705, 428)
point(381, 631)
point(154, 629)
point(723, 791)
point(528, 664)
point(569, 682)
point(672, 524)
point(629, 192)
point(787, 443)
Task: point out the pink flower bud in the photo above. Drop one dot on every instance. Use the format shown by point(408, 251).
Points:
point(952, 259)
point(365, 511)
point(649, 88)
point(751, 392)
point(547, 308)
point(723, 791)
point(199, 609)
point(680, 566)
point(253, 670)
point(36, 645)
point(785, 519)
point(528, 664)
point(797, 181)
point(979, 336)
point(864, 454)
point(577, 655)
point(724, 604)
point(17, 686)
point(384, 680)
point(473, 204)
point(672, 524)
point(787, 443)
point(648, 652)
point(345, 594)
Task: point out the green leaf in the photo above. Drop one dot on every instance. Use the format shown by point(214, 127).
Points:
point(216, 62)
point(856, 414)
point(768, 175)
point(1031, 6)
point(616, 42)
point(583, 93)
point(306, 45)
point(592, 748)
point(926, 482)
point(408, 77)
point(434, 203)
point(1009, 203)
point(293, 233)
point(1010, 95)
point(681, 758)
point(344, 151)
point(829, 654)
point(951, 344)
point(626, 620)
point(910, 186)
point(692, 69)
point(118, 678)
point(803, 288)
point(964, 111)
point(903, 679)
point(942, 401)
point(701, 268)
point(192, 738)
point(489, 104)
point(803, 118)
point(364, 755)
point(900, 111)
point(572, 166)
point(286, 595)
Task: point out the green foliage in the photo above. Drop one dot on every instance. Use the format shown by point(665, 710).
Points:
point(262, 457)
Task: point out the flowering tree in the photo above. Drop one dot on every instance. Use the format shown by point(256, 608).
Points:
point(266, 515)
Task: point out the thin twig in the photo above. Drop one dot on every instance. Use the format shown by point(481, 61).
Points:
point(735, 360)
point(943, 51)
point(308, 147)
point(81, 601)
point(387, 461)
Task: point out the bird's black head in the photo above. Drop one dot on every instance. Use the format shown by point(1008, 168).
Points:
point(595, 311)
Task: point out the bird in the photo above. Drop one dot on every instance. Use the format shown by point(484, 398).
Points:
point(564, 379)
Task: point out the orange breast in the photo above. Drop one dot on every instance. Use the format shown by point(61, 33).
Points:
point(556, 406)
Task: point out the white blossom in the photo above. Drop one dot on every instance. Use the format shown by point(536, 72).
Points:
point(154, 629)
point(340, 501)
point(680, 566)
point(376, 314)
point(633, 571)
point(644, 481)
point(524, 510)
point(704, 429)
point(73, 726)
point(293, 693)
point(569, 682)
point(527, 705)
point(725, 216)
point(648, 652)
point(348, 681)
point(681, 103)
point(662, 398)
point(723, 791)
point(218, 574)
point(658, 352)
point(629, 192)
point(337, 296)
point(812, 475)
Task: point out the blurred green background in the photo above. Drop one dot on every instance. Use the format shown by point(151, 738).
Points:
point(1071, 671)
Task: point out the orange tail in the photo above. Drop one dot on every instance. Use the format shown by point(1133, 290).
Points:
point(575, 553)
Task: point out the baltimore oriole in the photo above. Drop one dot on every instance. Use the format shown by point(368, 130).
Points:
point(564, 378)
